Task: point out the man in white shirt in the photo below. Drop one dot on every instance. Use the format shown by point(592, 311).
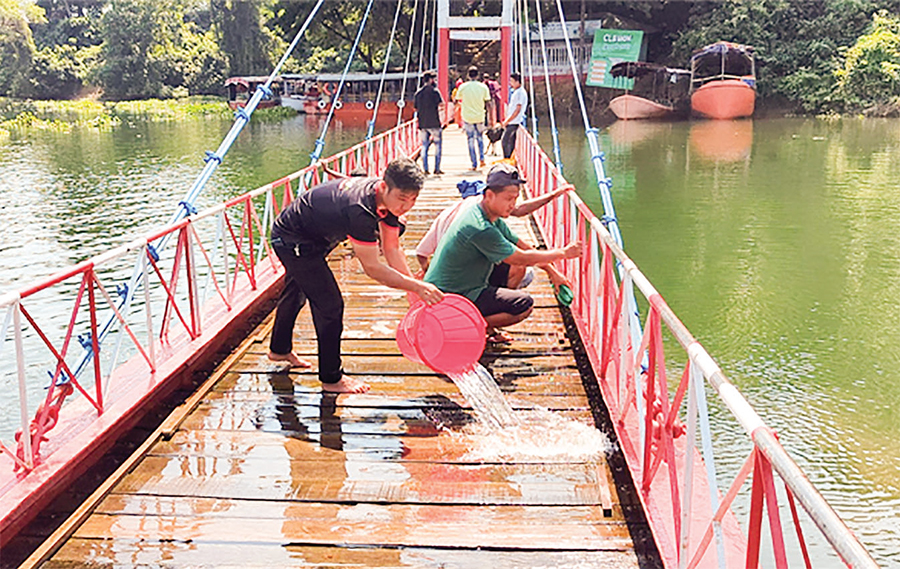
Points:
point(515, 115)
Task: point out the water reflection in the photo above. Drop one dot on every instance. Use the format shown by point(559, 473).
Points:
point(722, 141)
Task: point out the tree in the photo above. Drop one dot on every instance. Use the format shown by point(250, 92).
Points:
point(151, 49)
point(16, 43)
point(242, 35)
point(870, 72)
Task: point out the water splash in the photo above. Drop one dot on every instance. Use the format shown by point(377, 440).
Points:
point(484, 396)
point(539, 435)
point(501, 433)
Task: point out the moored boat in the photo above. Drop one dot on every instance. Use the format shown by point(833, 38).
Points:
point(660, 88)
point(723, 81)
point(314, 94)
point(240, 89)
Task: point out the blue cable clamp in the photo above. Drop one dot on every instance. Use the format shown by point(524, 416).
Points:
point(241, 113)
point(154, 254)
point(122, 290)
point(212, 157)
point(63, 378)
point(86, 341)
point(607, 219)
point(189, 208)
point(267, 92)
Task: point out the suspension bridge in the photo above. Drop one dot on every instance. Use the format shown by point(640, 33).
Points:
point(258, 467)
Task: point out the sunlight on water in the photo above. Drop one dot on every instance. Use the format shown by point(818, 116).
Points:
point(502, 433)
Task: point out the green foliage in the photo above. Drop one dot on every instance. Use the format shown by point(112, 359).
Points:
point(16, 43)
point(246, 42)
point(870, 71)
point(151, 49)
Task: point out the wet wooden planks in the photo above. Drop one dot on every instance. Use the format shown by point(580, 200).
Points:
point(269, 472)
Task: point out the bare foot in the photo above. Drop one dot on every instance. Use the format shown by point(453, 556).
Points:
point(292, 359)
point(346, 385)
point(499, 337)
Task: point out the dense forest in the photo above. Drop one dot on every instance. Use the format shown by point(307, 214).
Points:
point(814, 56)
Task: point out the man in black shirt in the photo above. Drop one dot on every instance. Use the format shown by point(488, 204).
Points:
point(428, 101)
point(366, 210)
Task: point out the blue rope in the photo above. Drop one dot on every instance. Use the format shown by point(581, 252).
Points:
point(317, 153)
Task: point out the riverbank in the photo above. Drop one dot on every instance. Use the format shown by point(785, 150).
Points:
point(18, 115)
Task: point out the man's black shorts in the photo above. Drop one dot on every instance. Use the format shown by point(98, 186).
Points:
point(494, 300)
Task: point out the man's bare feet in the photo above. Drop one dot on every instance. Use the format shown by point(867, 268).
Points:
point(346, 385)
point(292, 359)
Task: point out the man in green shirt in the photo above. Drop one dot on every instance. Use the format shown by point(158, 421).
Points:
point(472, 96)
point(477, 240)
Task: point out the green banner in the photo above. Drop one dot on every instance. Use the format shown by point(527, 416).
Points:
point(611, 47)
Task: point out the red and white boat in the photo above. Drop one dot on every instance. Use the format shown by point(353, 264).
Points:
point(314, 94)
point(723, 81)
point(241, 89)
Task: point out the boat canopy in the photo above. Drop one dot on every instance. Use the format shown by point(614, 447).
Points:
point(247, 81)
point(723, 47)
point(335, 77)
point(633, 69)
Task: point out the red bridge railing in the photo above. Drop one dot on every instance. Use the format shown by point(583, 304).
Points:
point(674, 471)
point(172, 302)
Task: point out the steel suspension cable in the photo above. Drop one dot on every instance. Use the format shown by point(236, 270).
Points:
point(421, 39)
point(530, 66)
point(597, 157)
point(604, 183)
point(401, 103)
point(320, 142)
point(186, 206)
point(387, 61)
point(554, 132)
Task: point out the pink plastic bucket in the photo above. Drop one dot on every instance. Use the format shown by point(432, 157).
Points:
point(447, 337)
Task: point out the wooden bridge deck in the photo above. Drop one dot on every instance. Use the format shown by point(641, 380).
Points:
point(268, 472)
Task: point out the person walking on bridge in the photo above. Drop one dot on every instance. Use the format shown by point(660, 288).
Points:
point(365, 210)
point(428, 102)
point(477, 240)
point(472, 96)
point(515, 116)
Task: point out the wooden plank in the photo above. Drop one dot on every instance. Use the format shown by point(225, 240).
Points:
point(335, 481)
point(374, 448)
point(95, 554)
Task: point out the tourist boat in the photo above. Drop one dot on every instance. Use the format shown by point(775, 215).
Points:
point(663, 86)
point(240, 89)
point(723, 81)
point(313, 94)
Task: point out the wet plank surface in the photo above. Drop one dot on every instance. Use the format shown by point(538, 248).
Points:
point(269, 472)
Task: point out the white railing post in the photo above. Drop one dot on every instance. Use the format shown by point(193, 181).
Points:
point(148, 310)
point(23, 393)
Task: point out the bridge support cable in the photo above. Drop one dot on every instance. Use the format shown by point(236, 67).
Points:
point(604, 183)
point(409, 43)
point(554, 132)
point(387, 60)
point(530, 67)
point(320, 142)
point(186, 205)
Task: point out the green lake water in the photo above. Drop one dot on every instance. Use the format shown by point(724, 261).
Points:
point(777, 242)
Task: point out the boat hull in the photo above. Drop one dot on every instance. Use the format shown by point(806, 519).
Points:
point(723, 100)
point(631, 107)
